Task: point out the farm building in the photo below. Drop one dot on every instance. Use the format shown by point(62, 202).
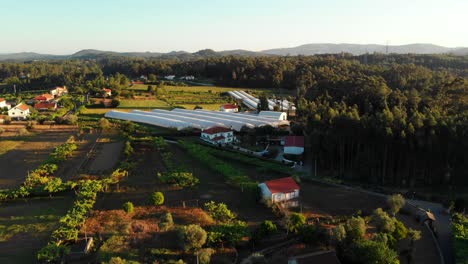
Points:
point(59, 91)
point(280, 190)
point(44, 98)
point(217, 135)
point(198, 119)
point(294, 145)
point(169, 77)
point(107, 92)
point(21, 111)
point(229, 108)
point(45, 106)
point(252, 102)
point(274, 115)
point(3, 104)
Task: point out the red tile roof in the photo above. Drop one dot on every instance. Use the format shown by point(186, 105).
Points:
point(106, 90)
point(45, 105)
point(230, 106)
point(283, 185)
point(216, 129)
point(1, 100)
point(22, 107)
point(294, 141)
point(44, 97)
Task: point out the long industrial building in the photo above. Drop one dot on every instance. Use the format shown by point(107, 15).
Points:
point(252, 102)
point(201, 119)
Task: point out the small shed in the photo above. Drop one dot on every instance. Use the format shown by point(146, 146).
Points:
point(279, 190)
point(273, 115)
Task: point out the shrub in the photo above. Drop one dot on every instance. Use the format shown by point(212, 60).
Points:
point(204, 255)
point(157, 198)
point(104, 124)
point(396, 202)
point(295, 222)
point(182, 179)
point(219, 212)
point(51, 252)
point(231, 233)
point(71, 119)
point(400, 230)
point(128, 150)
point(370, 251)
point(383, 222)
point(191, 237)
point(30, 124)
point(166, 222)
point(115, 103)
point(7, 120)
point(266, 229)
point(355, 229)
point(22, 131)
point(128, 207)
point(339, 233)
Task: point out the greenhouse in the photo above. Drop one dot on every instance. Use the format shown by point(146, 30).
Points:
point(252, 102)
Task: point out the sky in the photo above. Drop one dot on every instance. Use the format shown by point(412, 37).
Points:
point(67, 26)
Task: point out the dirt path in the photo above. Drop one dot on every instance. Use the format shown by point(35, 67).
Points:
point(16, 163)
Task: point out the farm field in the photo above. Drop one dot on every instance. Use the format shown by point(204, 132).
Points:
point(7, 145)
point(142, 103)
point(25, 226)
point(27, 156)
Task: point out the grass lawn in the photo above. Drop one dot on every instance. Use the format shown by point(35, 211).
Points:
point(133, 103)
point(25, 227)
point(8, 145)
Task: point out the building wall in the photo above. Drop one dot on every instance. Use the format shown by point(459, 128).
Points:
point(294, 150)
point(18, 113)
point(230, 110)
point(281, 197)
point(266, 194)
point(228, 137)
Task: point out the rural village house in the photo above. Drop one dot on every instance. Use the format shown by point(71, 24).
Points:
point(3, 104)
point(218, 135)
point(229, 108)
point(44, 98)
point(59, 91)
point(280, 190)
point(107, 92)
point(294, 145)
point(21, 111)
point(45, 106)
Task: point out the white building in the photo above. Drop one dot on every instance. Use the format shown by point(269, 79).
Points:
point(21, 111)
point(280, 190)
point(188, 78)
point(169, 77)
point(229, 108)
point(274, 115)
point(59, 91)
point(294, 145)
point(218, 135)
point(107, 92)
point(3, 104)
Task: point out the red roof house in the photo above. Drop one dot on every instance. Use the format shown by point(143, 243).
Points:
point(218, 135)
point(45, 106)
point(280, 190)
point(44, 97)
point(229, 108)
point(216, 130)
point(294, 145)
point(107, 92)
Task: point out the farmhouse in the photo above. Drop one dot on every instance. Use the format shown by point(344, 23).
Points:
point(218, 135)
point(44, 97)
point(273, 115)
point(3, 104)
point(280, 190)
point(59, 91)
point(169, 77)
point(229, 108)
point(21, 111)
point(107, 92)
point(45, 106)
point(294, 145)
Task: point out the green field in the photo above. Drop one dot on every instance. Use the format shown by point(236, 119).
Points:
point(134, 103)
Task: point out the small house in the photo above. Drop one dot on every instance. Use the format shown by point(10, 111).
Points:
point(169, 77)
point(21, 111)
point(188, 78)
point(280, 190)
point(229, 108)
point(59, 91)
point(218, 135)
point(294, 145)
point(106, 92)
point(3, 104)
point(273, 115)
point(45, 106)
point(44, 98)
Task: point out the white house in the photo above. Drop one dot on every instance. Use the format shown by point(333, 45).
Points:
point(229, 108)
point(294, 145)
point(59, 91)
point(21, 111)
point(217, 135)
point(3, 104)
point(188, 78)
point(107, 92)
point(280, 190)
point(169, 77)
point(274, 115)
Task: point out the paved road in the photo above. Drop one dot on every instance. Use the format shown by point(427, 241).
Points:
point(443, 227)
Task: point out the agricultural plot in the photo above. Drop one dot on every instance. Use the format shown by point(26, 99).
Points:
point(142, 103)
point(8, 145)
point(27, 156)
point(25, 226)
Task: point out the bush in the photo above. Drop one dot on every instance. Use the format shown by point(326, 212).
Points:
point(104, 124)
point(355, 229)
point(115, 103)
point(396, 202)
point(219, 212)
point(157, 198)
point(266, 228)
point(204, 255)
point(7, 120)
point(231, 233)
point(369, 252)
point(383, 222)
point(128, 150)
point(128, 207)
point(295, 222)
point(51, 252)
point(166, 222)
point(182, 179)
point(191, 237)
point(71, 119)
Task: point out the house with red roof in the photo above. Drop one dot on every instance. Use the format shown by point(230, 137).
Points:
point(44, 98)
point(229, 108)
point(106, 92)
point(59, 91)
point(45, 106)
point(20, 111)
point(280, 190)
point(218, 135)
point(294, 145)
point(3, 104)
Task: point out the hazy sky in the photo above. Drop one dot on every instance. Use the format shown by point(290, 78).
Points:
point(66, 26)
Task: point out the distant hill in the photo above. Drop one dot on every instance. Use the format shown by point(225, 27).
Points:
point(308, 49)
point(358, 49)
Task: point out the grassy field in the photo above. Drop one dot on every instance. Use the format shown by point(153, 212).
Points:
point(135, 103)
point(26, 226)
point(8, 145)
